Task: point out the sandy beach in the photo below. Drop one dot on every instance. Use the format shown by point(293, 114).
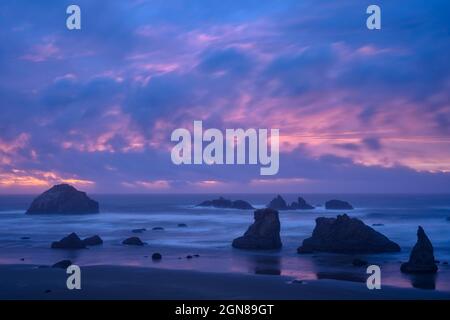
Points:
point(114, 282)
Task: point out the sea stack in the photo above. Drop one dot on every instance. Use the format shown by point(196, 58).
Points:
point(278, 203)
point(263, 234)
point(421, 259)
point(226, 204)
point(346, 235)
point(338, 205)
point(63, 198)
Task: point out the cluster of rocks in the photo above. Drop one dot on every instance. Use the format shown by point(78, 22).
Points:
point(73, 241)
point(226, 204)
point(278, 203)
point(63, 198)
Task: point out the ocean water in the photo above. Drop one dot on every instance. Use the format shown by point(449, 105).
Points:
point(209, 233)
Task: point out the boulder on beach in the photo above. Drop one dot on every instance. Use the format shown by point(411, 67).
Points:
point(278, 203)
point(263, 234)
point(63, 264)
point(346, 235)
point(338, 205)
point(421, 259)
point(72, 241)
point(93, 241)
point(63, 198)
point(226, 204)
point(133, 241)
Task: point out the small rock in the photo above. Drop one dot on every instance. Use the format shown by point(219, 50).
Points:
point(182, 225)
point(139, 230)
point(338, 205)
point(93, 241)
point(25, 238)
point(189, 257)
point(72, 241)
point(133, 241)
point(196, 255)
point(158, 228)
point(156, 256)
point(63, 264)
point(359, 263)
point(22, 259)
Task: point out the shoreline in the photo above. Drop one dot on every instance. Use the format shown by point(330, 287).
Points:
point(28, 282)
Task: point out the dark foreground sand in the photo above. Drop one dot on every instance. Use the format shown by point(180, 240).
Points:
point(114, 282)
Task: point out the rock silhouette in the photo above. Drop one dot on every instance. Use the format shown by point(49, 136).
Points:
point(421, 259)
point(346, 235)
point(72, 241)
point(133, 241)
point(263, 234)
point(226, 204)
point(278, 203)
point(93, 241)
point(63, 198)
point(338, 205)
point(301, 204)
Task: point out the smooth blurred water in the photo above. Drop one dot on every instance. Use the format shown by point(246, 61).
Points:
point(210, 232)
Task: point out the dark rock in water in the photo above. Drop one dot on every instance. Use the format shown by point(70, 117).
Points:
point(278, 203)
point(133, 241)
point(158, 229)
point(25, 238)
point(359, 263)
point(301, 204)
point(421, 259)
point(182, 225)
point(139, 230)
point(189, 257)
point(346, 235)
point(338, 205)
point(63, 264)
point(72, 241)
point(156, 256)
point(63, 198)
point(225, 203)
point(263, 234)
point(22, 259)
point(196, 255)
point(93, 241)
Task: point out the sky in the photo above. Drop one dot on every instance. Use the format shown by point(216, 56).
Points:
point(359, 111)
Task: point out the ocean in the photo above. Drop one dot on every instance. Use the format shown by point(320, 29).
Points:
point(210, 231)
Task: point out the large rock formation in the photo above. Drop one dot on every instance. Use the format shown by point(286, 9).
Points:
point(346, 235)
point(338, 205)
point(72, 241)
point(421, 259)
point(226, 204)
point(278, 204)
point(63, 198)
point(263, 234)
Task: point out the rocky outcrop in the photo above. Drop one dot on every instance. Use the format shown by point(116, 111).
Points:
point(338, 205)
point(226, 204)
point(301, 204)
point(63, 198)
point(93, 241)
point(133, 241)
point(279, 203)
point(421, 259)
point(72, 241)
point(263, 234)
point(346, 235)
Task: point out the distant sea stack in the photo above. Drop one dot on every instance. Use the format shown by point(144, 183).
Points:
point(338, 205)
point(263, 234)
point(226, 204)
point(346, 235)
point(278, 203)
point(63, 198)
point(421, 259)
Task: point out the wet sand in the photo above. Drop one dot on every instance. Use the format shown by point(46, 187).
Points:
point(118, 282)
